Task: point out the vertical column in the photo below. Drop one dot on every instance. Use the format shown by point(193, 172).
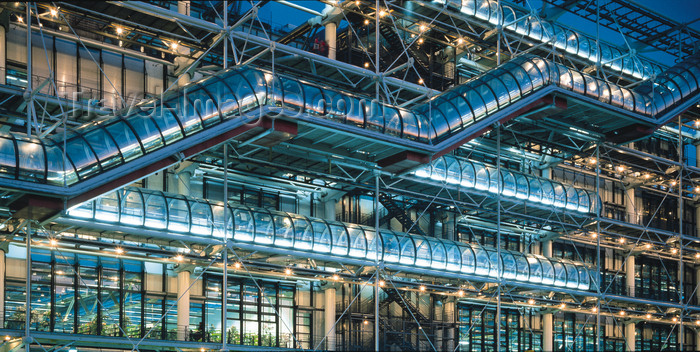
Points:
point(630, 206)
point(629, 337)
point(629, 281)
point(331, 28)
point(697, 289)
point(329, 318)
point(547, 318)
point(329, 209)
point(3, 55)
point(183, 183)
point(3, 251)
point(183, 303)
point(450, 315)
point(629, 275)
point(183, 7)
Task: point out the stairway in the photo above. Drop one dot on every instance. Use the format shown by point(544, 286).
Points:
point(394, 337)
point(398, 212)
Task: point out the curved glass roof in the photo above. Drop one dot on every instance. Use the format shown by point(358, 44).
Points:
point(241, 94)
point(337, 240)
point(473, 174)
point(579, 44)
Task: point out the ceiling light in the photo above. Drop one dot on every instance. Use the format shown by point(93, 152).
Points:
point(621, 240)
point(366, 64)
point(237, 265)
point(366, 22)
point(422, 28)
point(288, 271)
point(422, 288)
point(174, 45)
point(648, 316)
point(336, 277)
point(20, 19)
point(120, 30)
point(381, 283)
point(674, 250)
point(179, 258)
point(622, 312)
point(420, 40)
point(530, 301)
point(562, 306)
point(53, 12)
point(53, 242)
point(460, 293)
point(460, 41)
point(365, 322)
point(119, 250)
point(420, 81)
point(382, 13)
point(674, 319)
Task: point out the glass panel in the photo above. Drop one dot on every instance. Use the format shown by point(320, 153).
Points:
point(454, 257)
point(468, 260)
point(126, 140)
point(482, 261)
point(509, 186)
point(264, 227)
point(322, 236)
point(559, 195)
point(547, 271)
point(284, 230)
point(8, 163)
point(32, 165)
point(559, 273)
point(522, 272)
point(454, 171)
point(509, 266)
point(107, 207)
point(156, 212)
point(314, 100)
point(408, 250)
point(423, 254)
point(358, 243)
point(147, 132)
point(522, 188)
point(392, 249)
point(371, 237)
point(202, 218)
point(340, 239)
point(103, 145)
point(572, 275)
point(439, 255)
point(482, 176)
point(179, 215)
point(293, 95)
point(468, 174)
point(132, 207)
point(535, 269)
point(571, 198)
point(244, 224)
point(76, 149)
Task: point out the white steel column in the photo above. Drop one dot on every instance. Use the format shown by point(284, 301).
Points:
point(3, 251)
point(547, 318)
point(630, 206)
point(629, 281)
point(329, 318)
point(629, 273)
point(183, 8)
point(629, 337)
point(450, 314)
point(183, 304)
point(3, 55)
point(331, 35)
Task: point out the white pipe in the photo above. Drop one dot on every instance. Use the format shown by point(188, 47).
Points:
point(299, 7)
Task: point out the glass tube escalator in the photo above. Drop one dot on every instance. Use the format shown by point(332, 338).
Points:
point(147, 209)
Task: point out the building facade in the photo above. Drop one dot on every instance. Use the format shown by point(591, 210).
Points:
point(441, 175)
